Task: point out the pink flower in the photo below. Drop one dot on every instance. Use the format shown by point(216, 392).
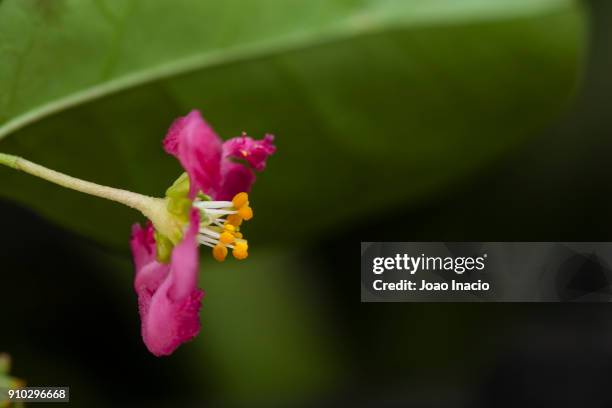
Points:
point(210, 162)
point(166, 251)
point(168, 298)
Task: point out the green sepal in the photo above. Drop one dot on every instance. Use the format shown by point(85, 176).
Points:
point(180, 188)
point(177, 198)
point(179, 207)
point(164, 247)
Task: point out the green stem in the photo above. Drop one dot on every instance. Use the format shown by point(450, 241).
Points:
point(133, 200)
point(8, 160)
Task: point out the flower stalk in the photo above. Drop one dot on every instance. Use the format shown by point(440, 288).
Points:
point(8, 160)
point(134, 200)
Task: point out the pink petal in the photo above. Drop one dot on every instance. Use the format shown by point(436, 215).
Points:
point(149, 272)
point(142, 243)
point(236, 178)
point(255, 152)
point(186, 260)
point(191, 140)
point(167, 324)
point(169, 311)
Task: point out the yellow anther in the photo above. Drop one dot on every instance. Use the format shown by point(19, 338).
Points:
point(226, 238)
point(240, 200)
point(238, 235)
point(240, 255)
point(219, 252)
point(240, 250)
point(246, 213)
point(229, 227)
point(234, 219)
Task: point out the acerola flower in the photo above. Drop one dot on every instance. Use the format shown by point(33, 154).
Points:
point(165, 251)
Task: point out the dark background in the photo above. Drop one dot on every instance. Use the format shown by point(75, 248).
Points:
point(65, 321)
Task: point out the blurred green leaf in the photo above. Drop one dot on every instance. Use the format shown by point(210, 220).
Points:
point(372, 101)
point(263, 329)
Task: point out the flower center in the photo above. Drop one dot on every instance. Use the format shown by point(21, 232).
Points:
point(220, 225)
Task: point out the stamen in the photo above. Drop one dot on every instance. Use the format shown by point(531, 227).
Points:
point(219, 212)
point(210, 232)
point(240, 200)
point(234, 219)
point(246, 213)
point(211, 242)
point(240, 251)
point(226, 238)
point(219, 253)
point(212, 204)
point(207, 243)
point(221, 229)
point(218, 223)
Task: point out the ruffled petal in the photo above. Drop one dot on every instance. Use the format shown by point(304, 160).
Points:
point(198, 148)
point(255, 152)
point(167, 324)
point(170, 313)
point(237, 175)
